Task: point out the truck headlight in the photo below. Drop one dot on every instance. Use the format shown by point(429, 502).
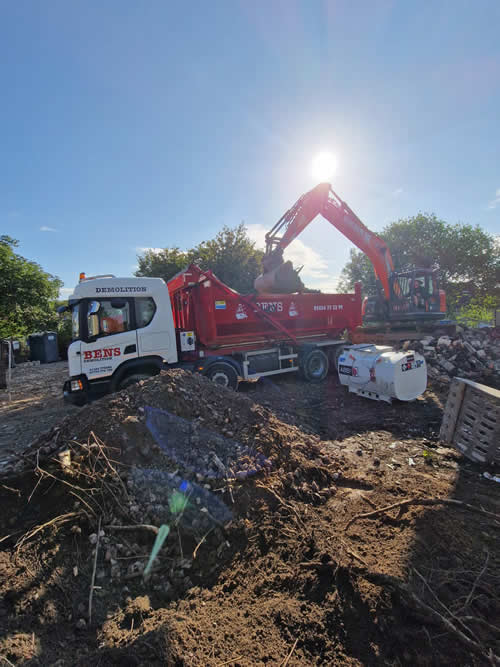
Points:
point(76, 385)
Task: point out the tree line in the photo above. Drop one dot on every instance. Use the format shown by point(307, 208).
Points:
point(467, 257)
point(28, 294)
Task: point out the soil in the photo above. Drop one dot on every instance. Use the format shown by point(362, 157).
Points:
point(35, 404)
point(260, 566)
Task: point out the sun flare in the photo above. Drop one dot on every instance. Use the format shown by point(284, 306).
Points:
point(323, 166)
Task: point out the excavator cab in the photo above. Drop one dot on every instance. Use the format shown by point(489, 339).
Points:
point(414, 296)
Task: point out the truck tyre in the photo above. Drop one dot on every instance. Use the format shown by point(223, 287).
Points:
point(133, 379)
point(314, 366)
point(223, 374)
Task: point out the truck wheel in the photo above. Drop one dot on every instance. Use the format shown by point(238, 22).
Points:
point(132, 379)
point(314, 366)
point(223, 374)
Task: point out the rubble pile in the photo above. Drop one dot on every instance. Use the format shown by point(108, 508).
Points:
point(470, 353)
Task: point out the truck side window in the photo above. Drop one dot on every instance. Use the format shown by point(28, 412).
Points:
point(145, 309)
point(104, 318)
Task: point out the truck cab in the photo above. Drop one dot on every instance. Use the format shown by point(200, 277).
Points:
point(122, 331)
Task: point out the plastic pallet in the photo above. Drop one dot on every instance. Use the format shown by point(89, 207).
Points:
point(471, 421)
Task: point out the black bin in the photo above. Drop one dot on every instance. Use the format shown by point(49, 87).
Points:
point(4, 363)
point(44, 347)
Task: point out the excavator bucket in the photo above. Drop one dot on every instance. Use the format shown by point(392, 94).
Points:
point(283, 279)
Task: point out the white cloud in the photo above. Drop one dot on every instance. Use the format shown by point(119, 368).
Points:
point(397, 192)
point(64, 292)
point(44, 228)
point(141, 251)
point(495, 202)
point(329, 285)
point(257, 234)
point(315, 273)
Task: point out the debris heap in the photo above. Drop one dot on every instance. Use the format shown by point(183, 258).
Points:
point(470, 353)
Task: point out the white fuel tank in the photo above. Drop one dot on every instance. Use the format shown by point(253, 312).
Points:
point(381, 373)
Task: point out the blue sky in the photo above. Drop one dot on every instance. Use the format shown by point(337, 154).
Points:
point(147, 124)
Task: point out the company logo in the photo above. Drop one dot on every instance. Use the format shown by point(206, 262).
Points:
point(241, 313)
point(271, 306)
point(119, 290)
point(104, 353)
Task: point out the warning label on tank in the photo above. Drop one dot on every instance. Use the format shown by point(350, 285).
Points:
point(409, 365)
point(345, 370)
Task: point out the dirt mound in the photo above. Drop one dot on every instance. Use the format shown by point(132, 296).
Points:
point(276, 552)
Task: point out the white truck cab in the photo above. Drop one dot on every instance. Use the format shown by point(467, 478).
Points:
point(123, 330)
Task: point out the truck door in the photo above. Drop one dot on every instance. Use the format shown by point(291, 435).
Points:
point(110, 337)
point(75, 358)
point(155, 327)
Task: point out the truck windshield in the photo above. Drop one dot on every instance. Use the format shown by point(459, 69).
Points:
point(75, 322)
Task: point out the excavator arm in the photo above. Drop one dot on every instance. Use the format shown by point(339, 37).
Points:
point(322, 200)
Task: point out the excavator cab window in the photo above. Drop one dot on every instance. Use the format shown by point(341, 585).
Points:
point(425, 283)
point(401, 287)
point(418, 291)
point(433, 285)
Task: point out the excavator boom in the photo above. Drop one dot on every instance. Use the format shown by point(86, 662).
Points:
point(413, 295)
point(322, 200)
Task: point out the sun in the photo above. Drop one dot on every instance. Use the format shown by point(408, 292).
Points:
point(323, 166)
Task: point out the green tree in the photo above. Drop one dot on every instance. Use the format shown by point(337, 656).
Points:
point(477, 310)
point(27, 293)
point(162, 263)
point(467, 257)
point(231, 255)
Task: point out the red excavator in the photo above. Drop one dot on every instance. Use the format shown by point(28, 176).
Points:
point(405, 297)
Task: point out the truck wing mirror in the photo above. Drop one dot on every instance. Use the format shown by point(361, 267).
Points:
point(62, 309)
